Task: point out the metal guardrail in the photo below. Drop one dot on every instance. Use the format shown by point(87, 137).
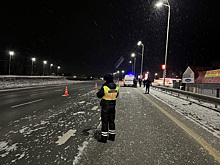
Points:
point(197, 96)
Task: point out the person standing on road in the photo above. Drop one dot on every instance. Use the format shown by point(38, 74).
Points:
point(140, 82)
point(147, 84)
point(135, 82)
point(108, 92)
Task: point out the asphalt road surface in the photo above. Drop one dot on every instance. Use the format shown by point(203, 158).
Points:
point(40, 126)
point(36, 123)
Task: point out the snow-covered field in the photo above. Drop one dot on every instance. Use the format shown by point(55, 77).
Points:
point(9, 82)
point(204, 114)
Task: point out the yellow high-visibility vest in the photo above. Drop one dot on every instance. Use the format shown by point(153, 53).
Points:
point(110, 94)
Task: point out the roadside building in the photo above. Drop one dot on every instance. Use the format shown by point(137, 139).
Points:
point(202, 80)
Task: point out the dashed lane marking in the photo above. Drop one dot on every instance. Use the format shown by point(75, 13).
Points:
point(39, 93)
point(202, 142)
point(58, 90)
point(94, 108)
point(15, 106)
point(65, 137)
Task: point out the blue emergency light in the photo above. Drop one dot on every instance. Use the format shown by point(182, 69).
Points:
point(130, 74)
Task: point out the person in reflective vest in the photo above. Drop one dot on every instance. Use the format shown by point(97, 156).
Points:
point(108, 92)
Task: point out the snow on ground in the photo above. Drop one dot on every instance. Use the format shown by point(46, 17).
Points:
point(206, 114)
point(8, 82)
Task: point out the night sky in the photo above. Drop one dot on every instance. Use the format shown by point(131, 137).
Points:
point(89, 37)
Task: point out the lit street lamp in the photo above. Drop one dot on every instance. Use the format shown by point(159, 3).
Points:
point(131, 65)
point(156, 75)
point(118, 77)
point(133, 55)
point(32, 68)
point(58, 68)
point(44, 63)
point(11, 53)
point(122, 73)
point(51, 65)
point(159, 4)
point(140, 43)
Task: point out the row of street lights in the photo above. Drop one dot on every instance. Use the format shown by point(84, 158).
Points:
point(11, 53)
point(159, 4)
point(44, 63)
point(142, 58)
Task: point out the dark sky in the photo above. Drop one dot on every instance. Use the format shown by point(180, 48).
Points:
point(90, 36)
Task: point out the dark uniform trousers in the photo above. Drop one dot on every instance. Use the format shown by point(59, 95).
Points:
point(147, 88)
point(108, 120)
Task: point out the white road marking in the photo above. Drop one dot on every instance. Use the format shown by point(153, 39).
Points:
point(58, 90)
point(14, 106)
point(81, 89)
point(94, 108)
point(38, 94)
point(65, 137)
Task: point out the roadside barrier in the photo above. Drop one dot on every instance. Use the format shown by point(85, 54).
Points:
point(196, 96)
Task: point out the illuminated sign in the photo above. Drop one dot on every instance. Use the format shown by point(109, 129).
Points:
point(188, 80)
point(163, 66)
point(213, 73)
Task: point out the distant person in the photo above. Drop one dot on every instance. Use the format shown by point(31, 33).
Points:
point(135, 82)
point(147, 84)
point(108, 92)
point(140, 82)
point(144, 82)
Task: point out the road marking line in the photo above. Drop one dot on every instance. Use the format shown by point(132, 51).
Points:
point(202, 142)
point(94, 108)
point(58, 90)
point(65, 137)
point(81, 89)
point(14, 106)
point(38, 94)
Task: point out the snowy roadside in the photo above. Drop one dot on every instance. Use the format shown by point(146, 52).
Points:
point(11, 82)
point(205, 115)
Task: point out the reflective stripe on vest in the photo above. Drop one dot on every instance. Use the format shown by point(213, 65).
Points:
point(110, 94)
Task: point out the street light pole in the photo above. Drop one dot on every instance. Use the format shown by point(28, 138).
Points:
point(45, 62)
point(11, 53)
point(131, 66)
point(32, 68)
point(133, 55)
point(58, 70)
point(50, 68)
point(168, 25)
point(140, 43)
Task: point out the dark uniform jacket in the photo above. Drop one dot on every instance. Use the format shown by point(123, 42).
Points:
point(101, 93)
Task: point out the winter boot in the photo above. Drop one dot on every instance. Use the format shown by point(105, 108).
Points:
point(111, 137)
point(103, 139)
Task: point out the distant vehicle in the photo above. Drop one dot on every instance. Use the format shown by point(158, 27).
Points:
point(129, 80)
point(168, 81)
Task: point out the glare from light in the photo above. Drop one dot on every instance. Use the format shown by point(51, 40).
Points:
point(132, 55)
point(58, 67)
point(51, 64)
point(130, 62)
point(139, 43)
point(159, 4)
point(118, 71)
point(33, 59)
point(45, 62)
point(11, 53)
point(122, 71)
